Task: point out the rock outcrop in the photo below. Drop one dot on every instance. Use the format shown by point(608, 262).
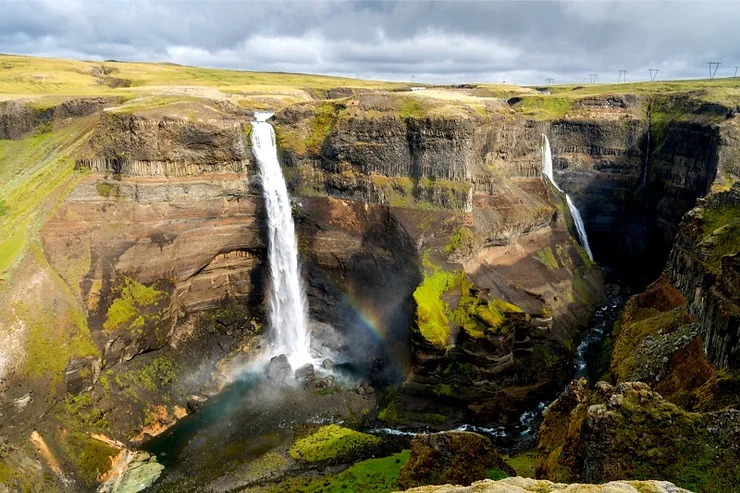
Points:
point(20, 118)
point(526, 485)
point(629, 431)
point(452, 458)
point(705, 266)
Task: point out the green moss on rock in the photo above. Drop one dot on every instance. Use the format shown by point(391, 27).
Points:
point(52, 339)
point(331, 442)
point(721, 234)
point(477, 316)
point(132, 308)
point(630, 432)
point(547, 258)
point(431, 310)
point(462, 239)
point(452, 458)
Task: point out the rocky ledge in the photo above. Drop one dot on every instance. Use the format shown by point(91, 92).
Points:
point(526, 485)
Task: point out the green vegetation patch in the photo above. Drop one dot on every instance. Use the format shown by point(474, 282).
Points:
point(52, 339)
point(331, 442)
point(632, 333)
point(411, 107)
point(547, 258)
point(431, 310)
point(133, 307)
point(158, 374)
point(107, 190)
point(721, 234)
point(525, 463)
point(79, 416)
point(36, 173)
point(369, 476)
point(398, 191)
point(544, 107)
point(322, 124)
point(462, 239)
point(474, 314)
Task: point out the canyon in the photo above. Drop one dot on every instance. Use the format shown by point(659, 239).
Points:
point(443, 276)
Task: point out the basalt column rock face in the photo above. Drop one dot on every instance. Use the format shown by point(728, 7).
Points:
point(705, 265)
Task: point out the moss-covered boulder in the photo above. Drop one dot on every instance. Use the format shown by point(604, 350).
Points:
point(630, 432)
point(454, 458)
point(332, 443)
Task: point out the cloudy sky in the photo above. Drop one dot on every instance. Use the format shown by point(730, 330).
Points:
point(454, 41)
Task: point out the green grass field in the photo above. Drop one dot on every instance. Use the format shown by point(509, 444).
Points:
point(24, 75)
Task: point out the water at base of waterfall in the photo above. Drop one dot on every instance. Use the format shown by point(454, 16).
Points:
point(288, 312)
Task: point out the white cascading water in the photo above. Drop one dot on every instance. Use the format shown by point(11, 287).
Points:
point(288, 313)
point(577, 219)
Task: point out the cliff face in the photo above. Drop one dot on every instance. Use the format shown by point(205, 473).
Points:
point(494, 264)
point(635, 166)
point(21, 118)
point(705, 265)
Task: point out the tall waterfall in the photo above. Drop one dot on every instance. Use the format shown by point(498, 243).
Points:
point(288, 313)
point(577, 219)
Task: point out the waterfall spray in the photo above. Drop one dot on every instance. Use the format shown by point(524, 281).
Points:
point(577, 219)
point(287, 299)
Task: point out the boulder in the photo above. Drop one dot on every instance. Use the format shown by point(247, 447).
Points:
point(279, 369)
point(305, 372)
point(454, 458)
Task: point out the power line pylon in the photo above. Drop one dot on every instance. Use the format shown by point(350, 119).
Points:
point(713, 66)
point(653, 74)
point(592, 78)
point(622, 74)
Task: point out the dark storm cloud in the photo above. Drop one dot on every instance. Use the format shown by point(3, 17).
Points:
point(452, 41)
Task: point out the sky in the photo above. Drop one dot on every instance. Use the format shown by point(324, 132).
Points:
point(519, 42)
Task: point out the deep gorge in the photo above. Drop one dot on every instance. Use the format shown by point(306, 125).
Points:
point(438, 266)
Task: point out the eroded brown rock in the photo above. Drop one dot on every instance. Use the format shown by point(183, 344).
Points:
point(452, 457)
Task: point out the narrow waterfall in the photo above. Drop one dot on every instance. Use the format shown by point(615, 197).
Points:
point(288, 313)
point(577, 219)
point(646, 169)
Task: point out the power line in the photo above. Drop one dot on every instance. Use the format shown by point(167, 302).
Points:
point(713, 66)
point(653, 73)
point(622, 74)
point(592, 78)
